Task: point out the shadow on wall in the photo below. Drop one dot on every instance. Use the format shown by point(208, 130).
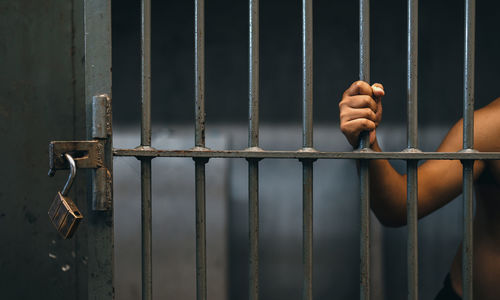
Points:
point(336, 218)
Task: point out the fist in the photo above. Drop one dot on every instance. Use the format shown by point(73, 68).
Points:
point(361, 110)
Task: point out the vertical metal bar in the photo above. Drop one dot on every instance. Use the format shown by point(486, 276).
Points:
point(253, 225)
point(253, 76)
point(307, 227)
point(468, 145)
point(199, 62)
point(412, 75)
point(146, 73)
point(146, 215)
point(470, 19)
point(199, 66)
point(146, 211)
point(412, 218)
point(467, 245)
point(97, 28)
point(201, 252)
point(364, 40)
point(307, 141)
point(253, 142)
point(364, 74)
point(307, 74)
point(364, 230)
point(364, 55)
point(412, 136)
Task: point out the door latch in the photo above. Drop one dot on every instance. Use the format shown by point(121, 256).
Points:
point(93, 154)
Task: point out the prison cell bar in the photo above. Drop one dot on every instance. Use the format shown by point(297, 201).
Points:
point(146, 213)
point(201, 154)
point(412, 137)
point(307, 144)
point(364, 145)
point(199, 70)
point(300, 154)
point(468, 146)
point(253, 145)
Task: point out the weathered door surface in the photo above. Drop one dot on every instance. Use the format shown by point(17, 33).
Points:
point(43, 97)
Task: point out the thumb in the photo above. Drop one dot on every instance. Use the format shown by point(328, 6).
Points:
point(378, 90)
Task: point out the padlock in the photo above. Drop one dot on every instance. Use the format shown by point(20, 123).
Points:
point(63, 212)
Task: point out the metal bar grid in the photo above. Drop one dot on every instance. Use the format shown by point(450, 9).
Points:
point(312, 154)
point(307, 155)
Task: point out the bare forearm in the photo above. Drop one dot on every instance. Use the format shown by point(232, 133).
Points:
point(387, 191)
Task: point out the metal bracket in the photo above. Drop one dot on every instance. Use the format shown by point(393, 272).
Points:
point(87, 155)
point(95, 154)
point(101, 130)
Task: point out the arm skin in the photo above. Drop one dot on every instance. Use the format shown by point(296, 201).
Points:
point(439, 181)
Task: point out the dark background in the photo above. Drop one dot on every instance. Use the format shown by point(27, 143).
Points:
point(441, 40)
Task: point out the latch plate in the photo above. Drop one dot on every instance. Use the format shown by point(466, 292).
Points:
point(87, 154)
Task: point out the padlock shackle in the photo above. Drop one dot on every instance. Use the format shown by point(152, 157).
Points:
point(72, 174)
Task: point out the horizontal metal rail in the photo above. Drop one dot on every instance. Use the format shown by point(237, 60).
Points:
point(403, 155)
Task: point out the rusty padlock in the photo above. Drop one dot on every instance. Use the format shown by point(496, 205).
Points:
point(63, 212)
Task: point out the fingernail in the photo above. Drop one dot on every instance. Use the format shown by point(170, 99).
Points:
point(377, 89)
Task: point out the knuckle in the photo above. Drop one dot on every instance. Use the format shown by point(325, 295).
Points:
point(343, 127)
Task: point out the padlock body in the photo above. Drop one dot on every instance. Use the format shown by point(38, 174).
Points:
point(64, 215)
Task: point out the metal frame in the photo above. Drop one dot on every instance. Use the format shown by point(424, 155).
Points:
point(307, 155)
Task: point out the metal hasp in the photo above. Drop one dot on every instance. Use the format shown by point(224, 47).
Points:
point(87, 155)
point(90, 154)
point(101, 129)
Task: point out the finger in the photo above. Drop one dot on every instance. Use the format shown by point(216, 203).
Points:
point(359, 88)
point(373, 136)
point(354, 127)
point(378, 90)
point(357, 113)
point(359, 101)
